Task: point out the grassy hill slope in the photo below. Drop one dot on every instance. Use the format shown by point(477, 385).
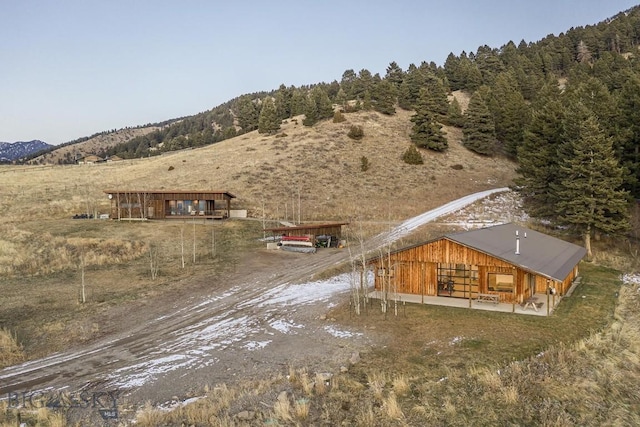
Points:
point(321, 165)
point(92, 145)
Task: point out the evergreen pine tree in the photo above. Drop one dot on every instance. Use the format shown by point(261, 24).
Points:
point(310, 112)
point(426, 132)
point(412, 156)
point(628, 132)
point(384, 97)
point(362, 84)
point(268, 122)
point(283, 102)
point(298, 102)
point(346, 84)
point(247, 114)
point(410, 87)
point(454, 114)
point(452, 72)
point(436, 97)
point(537, 156)
point(367, 103)
point(341, 99)
point(479, 130)
point(324, 107)
point(394, 75)
point(404, 96)
point(591, 198)
point(510, 112)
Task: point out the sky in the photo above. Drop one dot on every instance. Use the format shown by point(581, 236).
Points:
point(72, 68)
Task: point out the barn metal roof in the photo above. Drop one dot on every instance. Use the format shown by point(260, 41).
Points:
point(538, 252)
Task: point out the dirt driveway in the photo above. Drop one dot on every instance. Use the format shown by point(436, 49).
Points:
point(266, 316)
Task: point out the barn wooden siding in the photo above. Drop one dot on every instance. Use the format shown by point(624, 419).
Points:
point(414, 271)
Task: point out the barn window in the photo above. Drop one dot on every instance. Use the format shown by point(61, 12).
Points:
point(499, 282)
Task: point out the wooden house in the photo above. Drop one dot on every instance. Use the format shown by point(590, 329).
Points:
point(508, 263)
point(146, 204)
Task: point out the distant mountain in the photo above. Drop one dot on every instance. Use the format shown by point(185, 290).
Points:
point(13, 151)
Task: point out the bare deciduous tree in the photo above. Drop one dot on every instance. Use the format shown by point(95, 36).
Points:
point(154, 262)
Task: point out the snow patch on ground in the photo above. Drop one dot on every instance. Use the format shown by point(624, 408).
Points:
point(499, 208)
point(305, 293)
point(339, 333)
point(139, 374)
point(456, 340)
point(284, 326)
point(256, 345)
point(631, 279)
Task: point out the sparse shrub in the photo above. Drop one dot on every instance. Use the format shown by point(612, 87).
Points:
point(412, 156)
point(282, 407)
point(400, 385)
point(366, 416)
point(356, 132)
point(510, 395)
point(281, 135)
point(338, 117)
point(376, 383)
point(306, 383)
point(457, 167)
point(11, 351)
point(171, 168)
point(320, 385)
point(392, 407)
point(149, 416)
point(302, 408)
point(364, 163)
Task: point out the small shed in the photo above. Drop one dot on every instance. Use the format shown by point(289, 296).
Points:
point(509, 262)
point(314, 230)
point(170, 204)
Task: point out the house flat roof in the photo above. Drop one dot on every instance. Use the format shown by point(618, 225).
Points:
point(171, 192)
point(307, 226)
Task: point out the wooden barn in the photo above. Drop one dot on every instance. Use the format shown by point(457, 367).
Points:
point(145, 204)
point(502, 264)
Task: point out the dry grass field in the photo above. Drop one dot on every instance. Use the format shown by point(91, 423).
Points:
point(44, 253)
point(475, 368)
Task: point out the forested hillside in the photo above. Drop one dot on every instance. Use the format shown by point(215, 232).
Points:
point(565, 107)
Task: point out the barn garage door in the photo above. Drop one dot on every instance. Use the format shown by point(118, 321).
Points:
point(457, 280)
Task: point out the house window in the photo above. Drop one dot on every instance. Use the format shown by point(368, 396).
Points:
point(499, 282)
